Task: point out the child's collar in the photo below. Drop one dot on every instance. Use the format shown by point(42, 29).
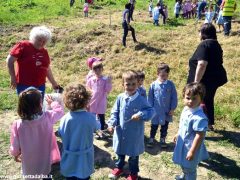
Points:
point(131, 98)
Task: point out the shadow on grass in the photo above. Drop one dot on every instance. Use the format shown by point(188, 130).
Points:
point(229, 136)
point(174, 22)
point(222, 165)
point(156, 148)
point(141, 46)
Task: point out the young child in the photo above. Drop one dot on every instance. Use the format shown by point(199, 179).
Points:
point(76, 131)
point(156, 15)
point(209, 15)
point(128, 115)
point(85, 9)
point(32, 138)
point(220, 21)
point(100, 86)
point(150, 8)
point(90, 62)
point(163, 97)
point(141, 90)
point(190, 148)
point(177, 8)
point(165, 10)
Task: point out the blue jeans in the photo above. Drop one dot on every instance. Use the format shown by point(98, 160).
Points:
point(163, 130)
point(227, 24)
point(189, 173)
point(156, 22)
point(133, 162)
point(21, 88)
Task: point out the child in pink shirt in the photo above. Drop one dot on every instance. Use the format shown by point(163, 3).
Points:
point(32, 138)
point(100, 86)
point(90, 62)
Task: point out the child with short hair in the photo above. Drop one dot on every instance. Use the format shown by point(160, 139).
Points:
point(156, 14)
point(190, 149)
point(100, 87)
point(163, 97)
point(209, 15)
point(177, 8)
point(150, 8)
point(85, 9)
point(128, 115)
point(141, 90)
point(32, 138)
point(76, 131)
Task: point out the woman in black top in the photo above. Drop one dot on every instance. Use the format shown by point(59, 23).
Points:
point(206, 67)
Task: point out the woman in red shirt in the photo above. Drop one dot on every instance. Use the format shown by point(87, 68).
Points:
point(32, 62)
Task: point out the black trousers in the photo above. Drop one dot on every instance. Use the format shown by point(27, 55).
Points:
point(163, 15)
point(131, 12)
point(209, 102)
point(101, 118)
point(163, 130)
point(125, 32)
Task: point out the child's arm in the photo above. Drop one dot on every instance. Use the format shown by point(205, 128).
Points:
point(15, 149)
point(195, 145)
point(174, 100)
point(112, 122)
point(146, 113)
point(151, 96)
point(108, 87)
point(57, 110)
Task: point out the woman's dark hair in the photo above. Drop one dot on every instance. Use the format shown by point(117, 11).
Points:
point(128, 6)
point(29, 104)
point(208, 31)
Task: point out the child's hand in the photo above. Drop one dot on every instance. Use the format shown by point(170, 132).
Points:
point(189, 156)
point(110, 79)
point(135, 117)
point(110, 130)
point(18, 158)
point(171, 113)
point(175, 138)
point(49, 99)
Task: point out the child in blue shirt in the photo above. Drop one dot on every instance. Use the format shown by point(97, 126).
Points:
point(190, 149)
point(128, 115)
point(163, 97)
point(76, 131)
point(156, 14)
point(141, 90)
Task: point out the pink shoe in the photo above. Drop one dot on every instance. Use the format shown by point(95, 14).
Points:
point(132, 177)
point(115, 173)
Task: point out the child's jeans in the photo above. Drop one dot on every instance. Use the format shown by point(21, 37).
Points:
point(133, 162)
point(101, 118)
point(189, 173)
point(156, 22)
point(163, 130)
point(125, 32)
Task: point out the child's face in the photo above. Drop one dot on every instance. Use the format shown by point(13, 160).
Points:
point(192, 101)
point(98, 71)
point(162, 76)
point(130, 86)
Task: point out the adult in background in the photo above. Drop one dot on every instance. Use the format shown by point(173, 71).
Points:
point(126, 25)
point(132, 2)
point(228, 7)
point(200, 8)
point(32, 62)
point(206, 67)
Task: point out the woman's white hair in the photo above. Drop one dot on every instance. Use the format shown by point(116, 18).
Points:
point(40, 32)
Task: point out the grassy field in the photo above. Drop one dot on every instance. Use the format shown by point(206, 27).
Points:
point(76, 38)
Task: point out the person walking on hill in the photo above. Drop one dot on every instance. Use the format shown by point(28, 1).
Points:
point(228, 7)
point(126, 25)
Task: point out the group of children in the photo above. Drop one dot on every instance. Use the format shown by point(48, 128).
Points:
point(34, 144)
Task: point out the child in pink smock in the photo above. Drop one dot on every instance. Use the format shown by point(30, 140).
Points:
point(90, 62)
point(33, 142)
point(100, 86)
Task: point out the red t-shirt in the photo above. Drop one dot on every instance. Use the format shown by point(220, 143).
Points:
point(32, 64)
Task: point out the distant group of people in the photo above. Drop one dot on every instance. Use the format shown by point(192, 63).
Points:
point(33, 141)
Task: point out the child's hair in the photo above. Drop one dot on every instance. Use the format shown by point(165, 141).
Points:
point(97, 65)
point(129, 75)
point(163, 67)
point(194, 89)
point(158, 4)
point(141, 75)
point(29, 103)
point(76, 97)
point(91, 60)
